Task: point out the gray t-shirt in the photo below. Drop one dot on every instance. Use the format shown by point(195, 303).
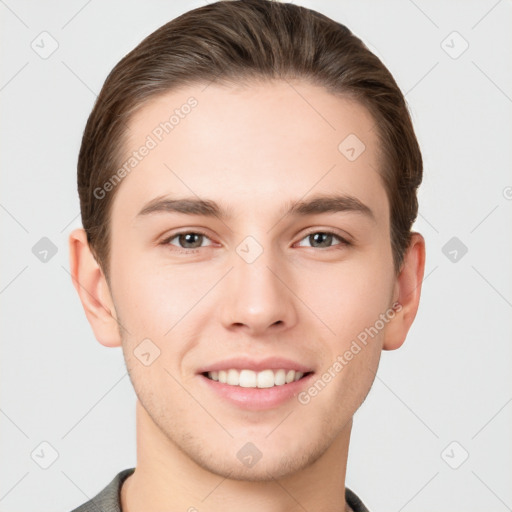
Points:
point(109, 499)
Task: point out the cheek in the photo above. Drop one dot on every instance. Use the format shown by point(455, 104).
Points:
point(352, 309)
point(161, 301)
point(351, 298)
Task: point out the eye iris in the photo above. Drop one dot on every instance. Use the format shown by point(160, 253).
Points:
point(188, 238)
point(317, 237)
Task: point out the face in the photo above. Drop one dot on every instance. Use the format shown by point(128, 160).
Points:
point(266, 285)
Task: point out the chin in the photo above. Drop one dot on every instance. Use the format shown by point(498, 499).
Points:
point(252, 465)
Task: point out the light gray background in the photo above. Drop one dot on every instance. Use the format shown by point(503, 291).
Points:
point(449, 382)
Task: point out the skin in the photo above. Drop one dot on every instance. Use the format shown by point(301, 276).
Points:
point(255, 149)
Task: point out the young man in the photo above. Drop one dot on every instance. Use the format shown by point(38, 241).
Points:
point(247, 181)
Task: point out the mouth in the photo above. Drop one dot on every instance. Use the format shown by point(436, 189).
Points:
point(263, 379)
point(255, 384)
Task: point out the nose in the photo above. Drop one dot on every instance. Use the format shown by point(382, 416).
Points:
point(258, 296)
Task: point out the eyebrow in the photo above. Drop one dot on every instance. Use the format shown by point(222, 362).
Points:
point(319, 204)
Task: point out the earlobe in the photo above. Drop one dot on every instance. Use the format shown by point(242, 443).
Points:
point(93, 290)
point(408, 291)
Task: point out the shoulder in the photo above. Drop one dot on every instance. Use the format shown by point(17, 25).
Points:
point(354, 501)
point(107, 500)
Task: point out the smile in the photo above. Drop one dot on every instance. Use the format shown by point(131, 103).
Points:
point(253, 379)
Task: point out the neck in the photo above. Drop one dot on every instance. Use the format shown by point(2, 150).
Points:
point(165, 478)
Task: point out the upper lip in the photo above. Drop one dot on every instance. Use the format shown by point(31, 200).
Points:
point(244, 363)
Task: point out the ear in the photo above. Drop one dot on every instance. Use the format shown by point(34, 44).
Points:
point(93, 290)
point(407, 293)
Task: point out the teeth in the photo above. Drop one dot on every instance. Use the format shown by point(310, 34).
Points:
point(252, 379)
point(248, 379)
point(266, 379)
point(233, 378)
point(280, 377)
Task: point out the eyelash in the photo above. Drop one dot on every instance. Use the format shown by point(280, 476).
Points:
point(181, 250)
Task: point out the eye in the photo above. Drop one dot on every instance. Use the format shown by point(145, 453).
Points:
point(324, 239)
point(190, 241)
point(187, 240)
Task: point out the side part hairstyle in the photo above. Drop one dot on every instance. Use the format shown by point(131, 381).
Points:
point(242, 41)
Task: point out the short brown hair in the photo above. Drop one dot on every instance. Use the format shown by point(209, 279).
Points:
point(243, 40)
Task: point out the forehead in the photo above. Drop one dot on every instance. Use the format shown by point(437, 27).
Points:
point(246, 145)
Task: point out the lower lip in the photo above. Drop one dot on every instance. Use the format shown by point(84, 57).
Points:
point(257, 399)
